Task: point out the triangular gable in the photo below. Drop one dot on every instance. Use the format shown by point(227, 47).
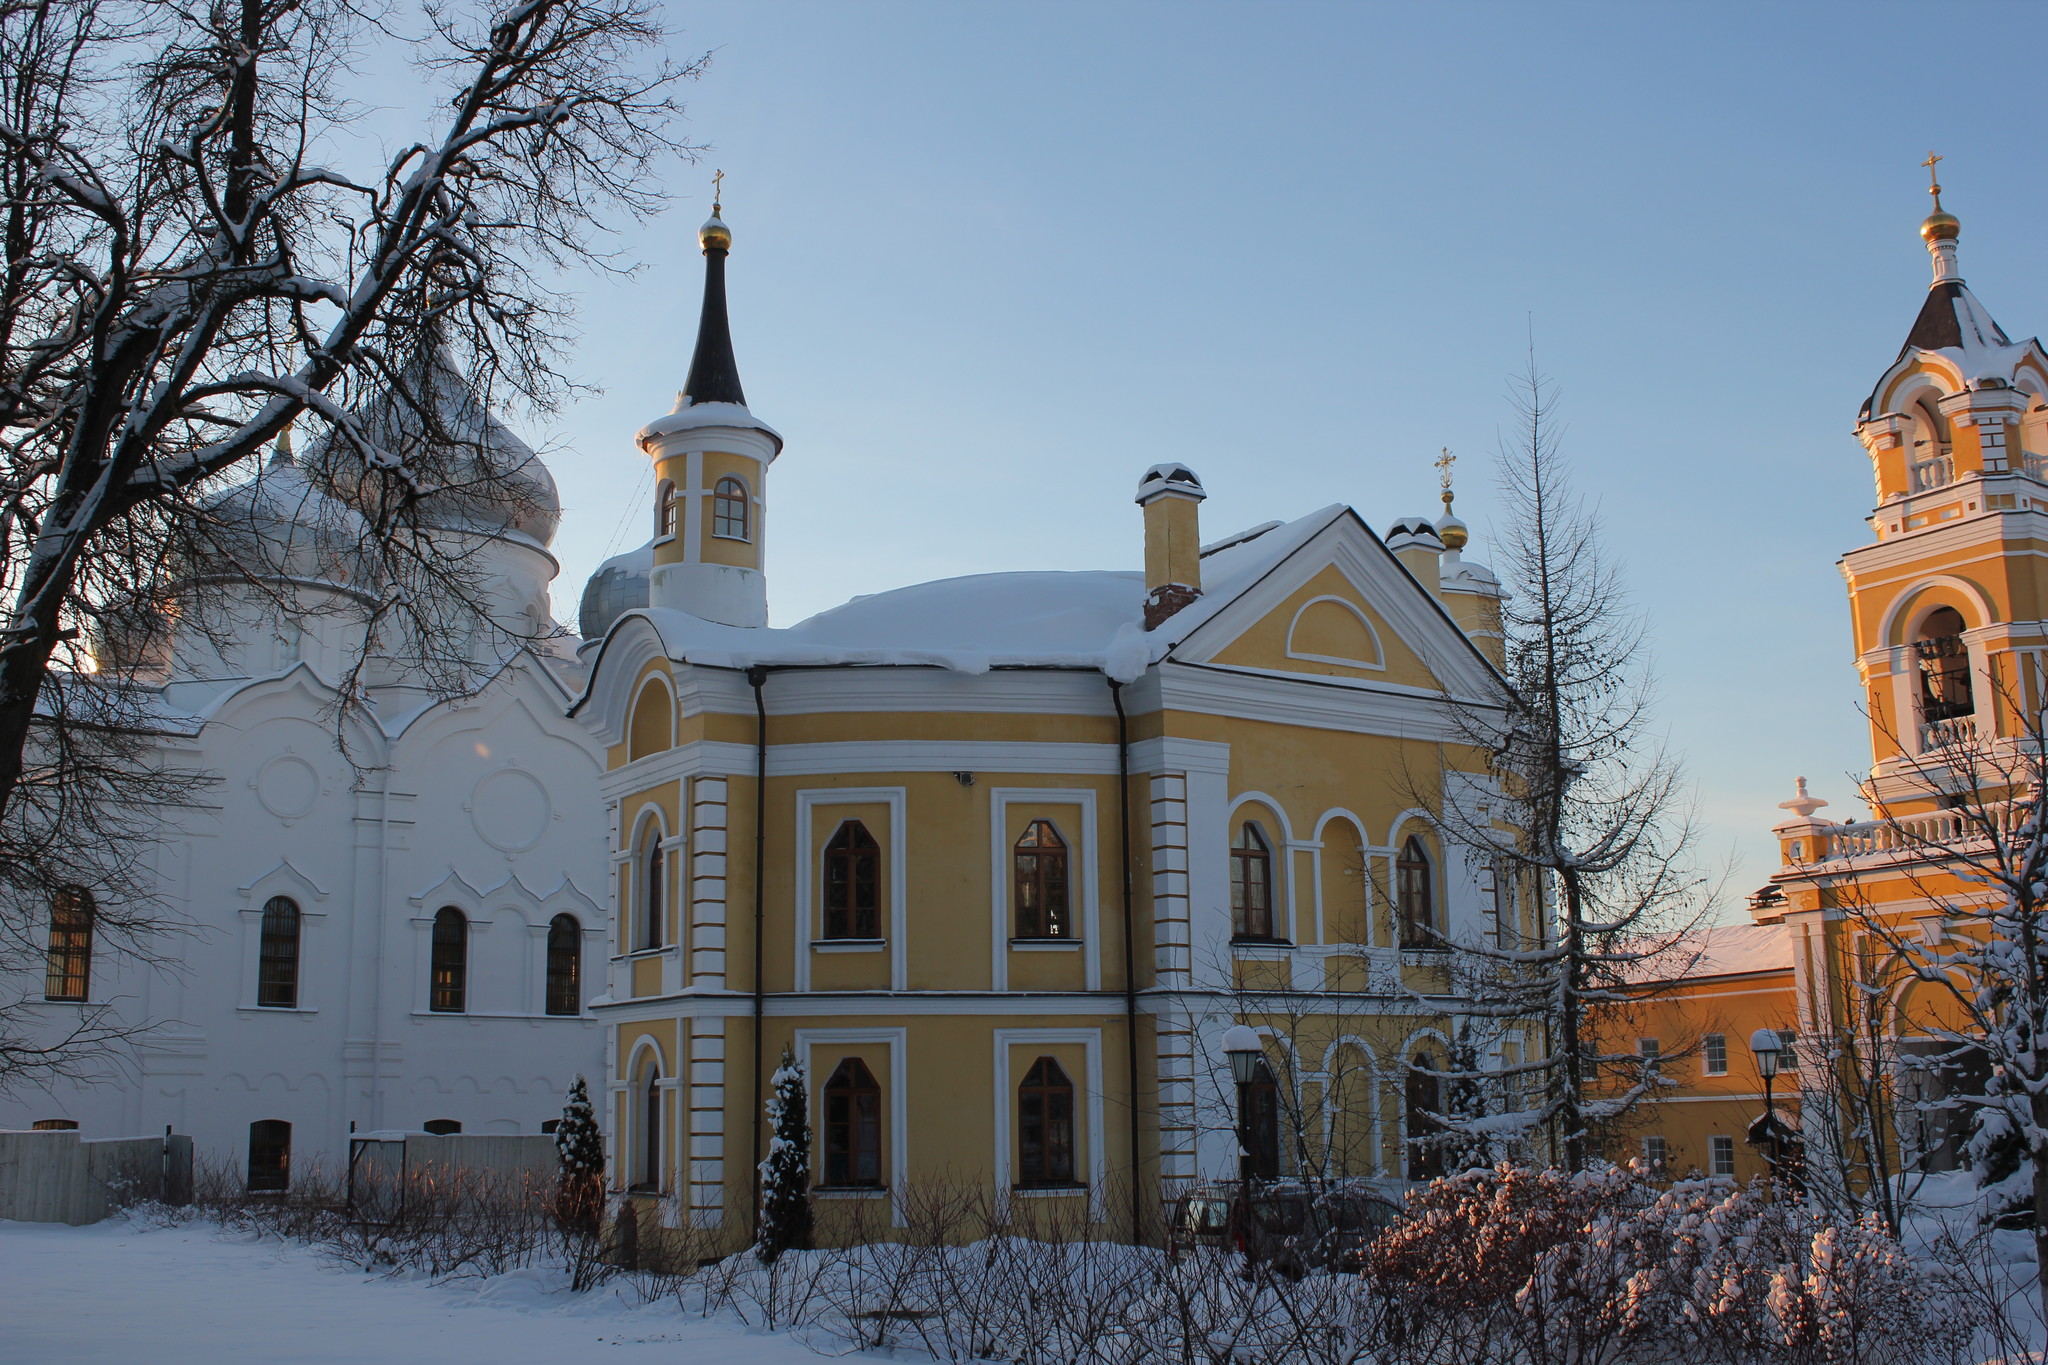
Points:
point(1419, 646)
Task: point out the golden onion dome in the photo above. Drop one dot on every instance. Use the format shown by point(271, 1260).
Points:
point(1452, 532)
point(714, 235)
point(1941, 225)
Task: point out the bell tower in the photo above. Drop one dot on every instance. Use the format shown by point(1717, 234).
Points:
point(711, 458)
point(1948, 601)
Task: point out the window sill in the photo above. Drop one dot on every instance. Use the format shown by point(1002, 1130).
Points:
point(1259, 941)
point(639, 953)
point(1046, 1191)
point(737, 540)
point(275, 1009)
point(46, 1000)
point(1045, 945)
point(665, 538)
point(850, 1191)
point(849, 945)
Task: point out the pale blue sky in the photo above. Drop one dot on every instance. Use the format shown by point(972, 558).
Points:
point(992, 260)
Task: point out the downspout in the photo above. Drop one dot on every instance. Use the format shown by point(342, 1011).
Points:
point(1123, 823)
point(757, 676)
point(377, 981)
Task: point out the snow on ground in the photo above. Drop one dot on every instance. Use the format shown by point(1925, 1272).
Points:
point(117, 1292)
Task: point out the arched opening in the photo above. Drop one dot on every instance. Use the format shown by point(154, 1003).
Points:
point(277, 964)
point(449, 962)
point(1414, 898)
point(853, 883)
point(1944, 661)
point(653, 891)
point(1420, 1100)
point(652, 730)
point(731, 510)
point(648, 1170)
point(1040, 866)
point(270, 1156)
point(664, 510)
point(1251, 885)
point(68, 972)
point(853, 1126)
point(1928, 461)
point(1258, 1109)
point(1045, 1125)
point(564, 993)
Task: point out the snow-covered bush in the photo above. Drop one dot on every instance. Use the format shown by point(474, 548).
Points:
point(786, 1174)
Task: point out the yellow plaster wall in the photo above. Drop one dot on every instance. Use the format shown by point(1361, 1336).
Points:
point(1265, 643)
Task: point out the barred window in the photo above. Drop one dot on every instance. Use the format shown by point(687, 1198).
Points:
point(853, 1126)
point(277, 965)
point(565, 965)
point(730, 511)
point(1045, 1125)
point(1251, 884)
point(449, 962)
point(1041, 880)
point(270, 1155)
point(853, 883)
point(68, 974)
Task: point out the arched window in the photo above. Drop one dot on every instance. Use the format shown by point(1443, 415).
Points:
point(1412, 896)
point(664, 509)
point(1258, 1107)
point(650, 1131)
point(1251, 884)
point(1041, 875)
point(853, 883)
point(1945, 690)
point(68, 974)
point(730, 512)
point(1425, 1158)
point(653, 892)
point(449, 964)
point(277, 963)
point(442, 1127)
point(853, 1126)
point(270, 1155)
point(1045, 1126)
point(54, 1126)
point(565, 965)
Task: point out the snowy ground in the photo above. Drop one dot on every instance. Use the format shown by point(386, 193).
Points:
point(190, 1295)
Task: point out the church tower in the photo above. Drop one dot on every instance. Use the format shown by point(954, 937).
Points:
point(711, 458)
point(1948, 602)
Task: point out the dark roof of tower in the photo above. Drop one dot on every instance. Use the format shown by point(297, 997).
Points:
point(714, 374)
point(1949, 308)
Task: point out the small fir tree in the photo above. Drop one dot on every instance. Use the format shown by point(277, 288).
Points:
point(579, 1149)
point(786, 1174)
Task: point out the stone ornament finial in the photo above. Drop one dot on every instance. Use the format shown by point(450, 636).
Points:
point(1803, 804)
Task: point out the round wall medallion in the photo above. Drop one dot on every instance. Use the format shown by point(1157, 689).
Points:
point(510, 809)
point(288, 787)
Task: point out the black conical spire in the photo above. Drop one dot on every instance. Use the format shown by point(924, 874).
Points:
point(714, 374)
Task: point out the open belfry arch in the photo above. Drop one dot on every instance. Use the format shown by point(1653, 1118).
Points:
point(998, 858)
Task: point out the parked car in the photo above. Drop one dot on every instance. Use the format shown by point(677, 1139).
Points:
point(1288, 1226)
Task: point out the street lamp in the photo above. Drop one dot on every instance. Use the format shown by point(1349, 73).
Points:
point(1241, 1045)
point(1766, 1044)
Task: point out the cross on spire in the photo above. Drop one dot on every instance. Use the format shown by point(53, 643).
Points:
point(717, 184)
point(1443, 469)
point(1933, 180)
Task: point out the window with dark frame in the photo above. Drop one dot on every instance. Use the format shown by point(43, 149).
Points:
point(1507, 929)
point(853, 1127)
point(1045, 1125)
point(448, 971)
point(1041, 880)
point(1258, 1104)
point(277, 959)
point(270, 1156)
point(68, 974)
point(665, 509)
point(1714, 1054)
point(650, 1132)
point(653, 894)
point(1251, 884)
point(564, 993)
point(730, 513)
point(54, 1126)
point(1412, 894)
point(853, 883)
point(1421, 1098)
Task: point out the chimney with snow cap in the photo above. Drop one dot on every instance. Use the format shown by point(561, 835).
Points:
point(1420, 549)
point(1171, 495)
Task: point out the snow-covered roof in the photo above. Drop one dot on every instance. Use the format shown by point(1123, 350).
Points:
point(1088, 619)
point(1730, 950)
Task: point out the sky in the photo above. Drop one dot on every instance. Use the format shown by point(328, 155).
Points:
point(992, 260)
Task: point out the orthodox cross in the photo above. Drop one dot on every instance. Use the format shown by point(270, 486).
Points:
point(717, 181)
point(1933, 182)
point(1443, 468)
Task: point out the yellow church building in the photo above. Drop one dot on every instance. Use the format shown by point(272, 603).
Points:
point(999, 858)
point(1949, 610)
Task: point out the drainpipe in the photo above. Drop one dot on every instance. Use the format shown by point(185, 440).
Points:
point(1123, 821)
point(757, 676)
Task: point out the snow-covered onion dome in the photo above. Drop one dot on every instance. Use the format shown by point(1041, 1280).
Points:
point(491, 481)
point(618, 586)
point(280, 524)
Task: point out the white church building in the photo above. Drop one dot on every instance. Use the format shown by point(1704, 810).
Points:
point(407, 941)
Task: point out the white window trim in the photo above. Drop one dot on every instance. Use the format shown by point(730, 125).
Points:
point(753, 509)
point(896, 1092)
point(1005, 1109)
point(896, 873)
point(1080, 840)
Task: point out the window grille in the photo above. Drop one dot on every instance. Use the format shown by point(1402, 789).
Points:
point(565, 966)
point(1041, 880)
point(1045, 1125)
point(277, 967)
point(68, 975)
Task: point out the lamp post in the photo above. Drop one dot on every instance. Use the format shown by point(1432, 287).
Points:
point(1241, 1046)
point(1766, 1044)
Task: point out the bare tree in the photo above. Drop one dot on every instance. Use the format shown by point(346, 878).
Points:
point(189, 270)
point(1582, 813)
